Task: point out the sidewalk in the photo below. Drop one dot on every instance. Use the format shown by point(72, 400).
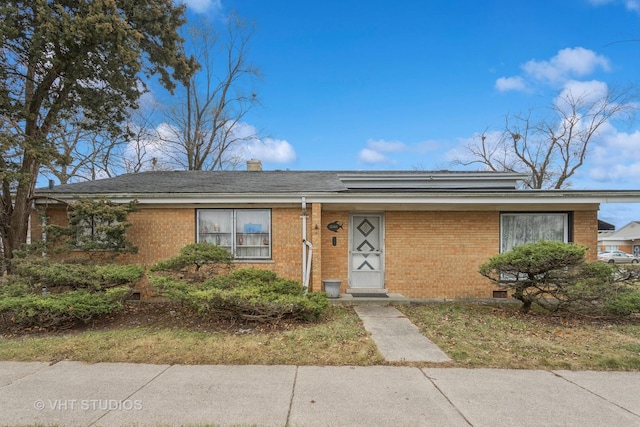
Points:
point(123, 394)
point(106, 394)
point(397, 339)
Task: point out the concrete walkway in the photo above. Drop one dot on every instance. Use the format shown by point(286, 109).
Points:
point(108, 394)
point(397, 339)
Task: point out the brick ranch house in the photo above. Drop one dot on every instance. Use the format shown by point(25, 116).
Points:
point(419, 234)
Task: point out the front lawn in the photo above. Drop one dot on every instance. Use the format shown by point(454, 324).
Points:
point(477, 336)
point(167, 334)
point(472, 335)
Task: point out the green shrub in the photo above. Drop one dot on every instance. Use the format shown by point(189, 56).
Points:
point(592, 283)
point(248, 294)
point(266, 281)
point(170, 287)
point(623, 303)
point(14, 288)
point(250, 303)
point(536, 272)
point(192, 258)
point(555, 276)
point(44, 272)
point(93, 225)
point(75, 292)
point(61, 310)
point(534, 259)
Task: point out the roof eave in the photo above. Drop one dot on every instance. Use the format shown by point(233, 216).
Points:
point(453, 197)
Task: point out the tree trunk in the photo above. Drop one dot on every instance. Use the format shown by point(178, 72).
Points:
point(17, 215)
point(526, 306)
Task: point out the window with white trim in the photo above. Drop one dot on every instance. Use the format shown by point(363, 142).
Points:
point(520, 228)
point(246, 233)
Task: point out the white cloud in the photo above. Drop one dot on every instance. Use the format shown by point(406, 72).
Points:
point(386, 146)
point(504, 84)
point(246, 147)
point(581, 94)
point(264, 149)
point(270, 150)
point(632, 5)
point(367, 155)
point(566, 65)
point(375, 148)
point(588, 90)
point(202, 6)
point(615, 159)
point(379, 150)
point(148, 150)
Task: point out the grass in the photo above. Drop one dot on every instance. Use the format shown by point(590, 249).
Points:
point(501, 337)
point(338, 339)
point(473, 336)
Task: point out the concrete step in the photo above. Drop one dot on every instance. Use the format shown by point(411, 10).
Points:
point(350, 299)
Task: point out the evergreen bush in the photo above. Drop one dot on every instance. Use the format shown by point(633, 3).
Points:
point(249, 294)
point(61, 310)
point(555, 276)
point(51, 294)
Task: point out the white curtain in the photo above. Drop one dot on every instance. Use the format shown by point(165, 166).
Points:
point(518, 229)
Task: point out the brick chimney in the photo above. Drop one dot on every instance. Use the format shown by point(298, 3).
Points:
point(254, 165)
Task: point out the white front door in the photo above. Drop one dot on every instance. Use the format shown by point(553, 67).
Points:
point(366, 251)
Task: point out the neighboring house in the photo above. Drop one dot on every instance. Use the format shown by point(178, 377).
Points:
point(605, 227)
point(417, 233)
point(626, 239)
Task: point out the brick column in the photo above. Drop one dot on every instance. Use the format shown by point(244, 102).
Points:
point(316, 241)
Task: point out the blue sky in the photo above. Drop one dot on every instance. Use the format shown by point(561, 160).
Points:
point(391, 85)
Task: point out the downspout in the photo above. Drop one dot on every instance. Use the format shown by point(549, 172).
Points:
point(44, 235)
point(307, 249)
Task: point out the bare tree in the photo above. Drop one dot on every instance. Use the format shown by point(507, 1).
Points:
point(142, 152)
point(549, 150)
point(83, 152)
point(205, 127)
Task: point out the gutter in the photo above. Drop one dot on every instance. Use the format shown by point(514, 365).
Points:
point(307, 249)
point(413, 198)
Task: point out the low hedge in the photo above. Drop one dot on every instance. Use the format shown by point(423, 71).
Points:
point(248, 294)
point(82, 274)
point(60, 310)
point(52, 294)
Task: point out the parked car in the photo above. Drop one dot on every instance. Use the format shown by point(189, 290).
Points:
point(618, 257)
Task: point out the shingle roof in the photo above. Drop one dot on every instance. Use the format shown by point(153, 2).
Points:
point(238, 182)
point(206, 182)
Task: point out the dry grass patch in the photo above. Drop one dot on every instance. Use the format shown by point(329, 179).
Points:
point(338, 339)
point(502, 337)
point(472, 335)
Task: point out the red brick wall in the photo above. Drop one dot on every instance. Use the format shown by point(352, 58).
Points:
point(437, 254)
point(585, 226)
point(335, 259)
point(427, 254)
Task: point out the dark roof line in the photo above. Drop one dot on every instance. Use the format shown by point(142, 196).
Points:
point(226, 182)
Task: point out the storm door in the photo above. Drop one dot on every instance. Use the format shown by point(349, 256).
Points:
point(366, 251)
